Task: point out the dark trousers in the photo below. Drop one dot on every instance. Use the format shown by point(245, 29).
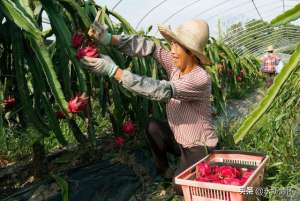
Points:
point(162, 141)
point(269, 79)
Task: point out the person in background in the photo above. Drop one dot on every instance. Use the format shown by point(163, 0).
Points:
point(188, 131)
point(269, 63)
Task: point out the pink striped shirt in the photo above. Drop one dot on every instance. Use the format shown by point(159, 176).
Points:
point(270, 61)
point(189, 111)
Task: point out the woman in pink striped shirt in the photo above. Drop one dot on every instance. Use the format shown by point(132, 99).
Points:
point(269, 63)
point(189, 131)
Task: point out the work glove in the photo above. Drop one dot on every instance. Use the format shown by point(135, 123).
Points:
point(99, 33)
point(101, 66)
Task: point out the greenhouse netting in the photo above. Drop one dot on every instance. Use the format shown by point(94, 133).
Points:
point(238, 23)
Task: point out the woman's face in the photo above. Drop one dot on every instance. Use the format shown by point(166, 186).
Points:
point(180, 55)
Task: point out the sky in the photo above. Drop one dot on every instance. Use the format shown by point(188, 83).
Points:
point(218, 13)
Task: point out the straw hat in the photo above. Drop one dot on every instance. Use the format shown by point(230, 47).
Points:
point(193, 35)
point(270, 48)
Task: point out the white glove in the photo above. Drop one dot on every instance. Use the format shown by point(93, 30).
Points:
point(103, 66)
point(100, 33)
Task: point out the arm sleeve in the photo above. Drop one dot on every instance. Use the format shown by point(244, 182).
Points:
point(164, 57)
point(140, 46)
point(135, 45)
point(160, 90)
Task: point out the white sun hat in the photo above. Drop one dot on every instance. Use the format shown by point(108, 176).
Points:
point(270, 48)
point(192, 34)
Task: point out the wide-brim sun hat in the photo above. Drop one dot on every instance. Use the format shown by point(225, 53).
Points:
point(270, 48)
point(193, 35)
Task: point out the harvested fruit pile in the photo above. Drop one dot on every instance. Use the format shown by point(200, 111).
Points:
point(225, 174)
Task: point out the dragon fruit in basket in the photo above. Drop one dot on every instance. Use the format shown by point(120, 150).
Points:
point(225, 174)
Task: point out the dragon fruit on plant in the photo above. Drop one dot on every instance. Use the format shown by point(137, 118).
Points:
point(89, 51)
point(77, 104)
point(77, 39)
point(128, 127)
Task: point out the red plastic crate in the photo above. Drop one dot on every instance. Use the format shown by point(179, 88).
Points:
point(204, 191)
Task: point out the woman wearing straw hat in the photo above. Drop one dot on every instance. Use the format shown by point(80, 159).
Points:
point(269, 62)
point(189, 130)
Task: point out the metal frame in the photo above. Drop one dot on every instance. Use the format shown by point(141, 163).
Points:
point(261, 51)
point(148, 13)
point(263, 5)
point(241, 31)
point(256, 25)
point(283, 30)
point(282, 42)
point(211, 8)
point(287, 39)
point(113, 8)
point(180, 10)
point(232, 8)
point(257, 10)
point(268, 42)
point(262, 48)
point(249, 45)
point(285, 34)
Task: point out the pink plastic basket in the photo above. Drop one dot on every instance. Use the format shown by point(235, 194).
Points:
point(204, 191)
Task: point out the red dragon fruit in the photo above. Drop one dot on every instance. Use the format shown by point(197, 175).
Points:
point(9, 102)
point(128, 127)
point(89, 51)
point(77, 104)
point(119, 141)
point(77, 39)
point(203, 169)
point(222, 174)
point(239, 78)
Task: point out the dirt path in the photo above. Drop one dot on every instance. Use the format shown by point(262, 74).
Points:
point(237, 108)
